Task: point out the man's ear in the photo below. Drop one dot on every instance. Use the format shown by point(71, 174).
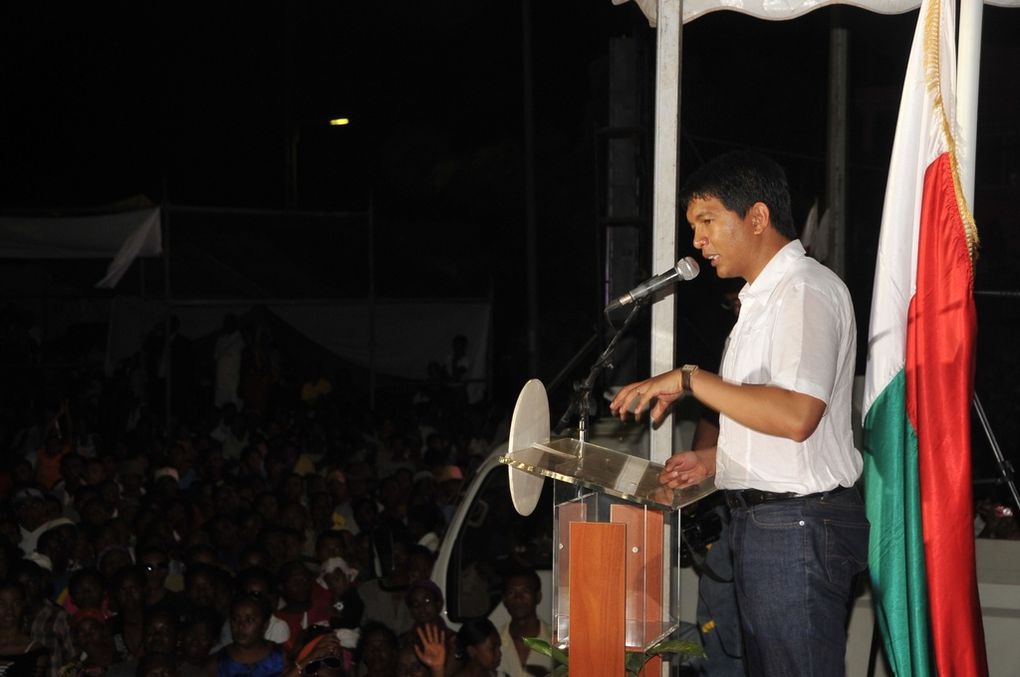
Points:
point(760, 217)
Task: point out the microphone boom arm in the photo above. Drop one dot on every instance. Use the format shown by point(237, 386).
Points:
point(581, 402)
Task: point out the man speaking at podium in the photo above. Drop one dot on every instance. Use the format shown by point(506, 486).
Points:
point(785, 455)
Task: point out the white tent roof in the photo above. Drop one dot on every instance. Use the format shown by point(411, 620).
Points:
point(122, 236)
point(780, 10)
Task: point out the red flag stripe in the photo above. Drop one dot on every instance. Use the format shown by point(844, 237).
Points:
point(939, 370)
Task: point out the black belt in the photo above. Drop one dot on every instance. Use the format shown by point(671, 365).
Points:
point(745, 498)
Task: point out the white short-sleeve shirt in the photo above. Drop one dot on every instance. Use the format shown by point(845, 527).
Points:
point(796, 331)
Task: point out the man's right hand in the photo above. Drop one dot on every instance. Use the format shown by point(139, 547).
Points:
point(665, 389)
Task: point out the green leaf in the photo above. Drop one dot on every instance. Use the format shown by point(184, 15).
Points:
point(682, 647)
point(543, 647)
point(634, 661)
point(560, 671)
point(538, 646)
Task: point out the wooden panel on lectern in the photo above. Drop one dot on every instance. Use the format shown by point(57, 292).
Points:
point(644, 566)
point(597, 564)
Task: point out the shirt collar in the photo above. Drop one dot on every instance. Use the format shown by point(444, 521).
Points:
point(772, 273)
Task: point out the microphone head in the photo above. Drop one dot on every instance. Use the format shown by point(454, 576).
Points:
point(687, 268)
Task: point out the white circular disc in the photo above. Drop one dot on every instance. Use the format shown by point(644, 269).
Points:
point(530, 424)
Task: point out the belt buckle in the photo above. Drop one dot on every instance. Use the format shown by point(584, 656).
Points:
point(735, 499)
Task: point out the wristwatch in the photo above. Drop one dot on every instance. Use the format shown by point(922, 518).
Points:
point(686, 372)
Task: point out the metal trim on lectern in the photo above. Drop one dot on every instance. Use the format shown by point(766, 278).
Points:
point(616, 473)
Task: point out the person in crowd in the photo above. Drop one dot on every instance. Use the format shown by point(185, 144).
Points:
point(425, 602)
point(316, 384)
point(112, 559)
point(333, 543)
point(254, 556)
point(426, 657)
point(198, 638)
point(9, 557)
point(58, 439)
point(200, 587)
point(385, 595)
point(346, 606)
point(127, 593)
point(478, 649)
point(250, 654)
point(320, 512)
point(294, 516)
point(420, 561)
point(149, 519)
point(29, 511)
point(98, 651)
point(156, 563)
point(87, 594)
point(49, 624)
point(157, 665)
point(305, 602)
point(159, 638)
point(377, 650)
point(259, 583)
point(785, 457)
point(425, 525)
point(522, 591)
point(343, 512)
point(227, 354)
point(321, 655)
point(72, 470)
point(162, 627)
point(19, 653)
point(55, 548)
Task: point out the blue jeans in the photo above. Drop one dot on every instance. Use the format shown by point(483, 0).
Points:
point(718, 618)
point(794, 565)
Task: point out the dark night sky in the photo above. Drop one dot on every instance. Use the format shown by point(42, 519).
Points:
point(104, 101)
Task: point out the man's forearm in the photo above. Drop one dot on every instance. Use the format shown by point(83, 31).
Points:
point(766, 409)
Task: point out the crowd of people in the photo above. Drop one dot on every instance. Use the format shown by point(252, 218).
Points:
point(278, 528)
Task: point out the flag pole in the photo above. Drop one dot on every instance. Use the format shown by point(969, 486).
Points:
point(968, 70)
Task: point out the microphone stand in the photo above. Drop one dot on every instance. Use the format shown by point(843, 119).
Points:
point(581, 402)
point(1005, 467)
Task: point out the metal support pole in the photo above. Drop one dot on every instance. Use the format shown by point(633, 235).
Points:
point(530, 228)
point(371, 304)
point(835, 172)
point(669, 27)
point(168, 300)
point(968, 67)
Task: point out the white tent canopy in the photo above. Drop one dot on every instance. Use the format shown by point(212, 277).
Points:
point(781, 10)
point(122, 236)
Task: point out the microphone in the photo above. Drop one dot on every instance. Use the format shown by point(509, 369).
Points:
point(685, 269)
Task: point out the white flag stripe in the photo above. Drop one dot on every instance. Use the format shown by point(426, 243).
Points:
point(920, 139)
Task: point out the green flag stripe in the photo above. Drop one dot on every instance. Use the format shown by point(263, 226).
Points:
point(896, 556)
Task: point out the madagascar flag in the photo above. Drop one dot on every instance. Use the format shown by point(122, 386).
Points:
point(920, 379)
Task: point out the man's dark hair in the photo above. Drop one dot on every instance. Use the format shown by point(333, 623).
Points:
point(246, 576)
point(210, 618)
point(524, 572)
point(152, 549)
point(329, 534)
point(473, 632)
point(79, 577)
point(261, 603)
point(376, 628)
point(740, 178)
